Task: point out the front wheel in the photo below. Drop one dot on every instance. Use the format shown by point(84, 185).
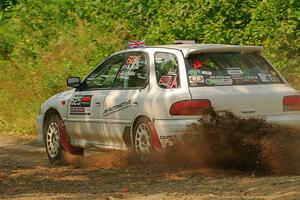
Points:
point(142, 140)
point(52, 139)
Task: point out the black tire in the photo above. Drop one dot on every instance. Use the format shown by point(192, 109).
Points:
point(52, 139)
point(142, 141)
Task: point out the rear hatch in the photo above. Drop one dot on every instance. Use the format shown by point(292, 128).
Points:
point(245, 100)
point(241, 82)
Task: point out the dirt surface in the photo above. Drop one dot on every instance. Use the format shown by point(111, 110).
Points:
point(26, 174)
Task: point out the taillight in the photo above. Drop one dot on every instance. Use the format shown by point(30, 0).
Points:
point(291, 103)
point(189, 107)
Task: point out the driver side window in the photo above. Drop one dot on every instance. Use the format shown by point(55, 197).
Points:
point(104, 75)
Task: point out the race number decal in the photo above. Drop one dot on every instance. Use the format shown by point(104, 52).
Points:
point(81, 101)
point(165, 80)
point(80, 105)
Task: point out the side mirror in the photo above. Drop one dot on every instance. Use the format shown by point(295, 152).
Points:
point(73, 82)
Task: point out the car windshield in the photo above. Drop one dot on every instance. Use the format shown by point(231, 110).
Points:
point(210, 69)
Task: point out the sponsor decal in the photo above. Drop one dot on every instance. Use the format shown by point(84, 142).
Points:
point(198, 64)
point(129, 73)
point(237, 76)
point(132, 59)
point(167, 137)
point(196, 79)
point(273, 73)
point(194, 72)
point(219, 81)
point(79, 111)
point(234, 70)
point(165, 80)
point(116, 108)
point(206, 73)
point(173, 84)
point(135, 66)
point(250, 79)
point(220, 77)
point(266, 77)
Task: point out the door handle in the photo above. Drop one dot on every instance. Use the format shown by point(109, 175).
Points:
point(135, 103)
point(248, 110)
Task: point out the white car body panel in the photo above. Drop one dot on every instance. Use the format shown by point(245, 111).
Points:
point(115, 122)
point(112, 112)
point(88, 126)
point(245, 100)
point(187, 49)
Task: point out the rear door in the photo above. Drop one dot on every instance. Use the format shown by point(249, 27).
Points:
point(125, 98)
point(84, 121)
point(243, 83)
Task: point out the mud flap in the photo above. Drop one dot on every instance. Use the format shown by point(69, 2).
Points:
point(155, 141)
point(65, 142)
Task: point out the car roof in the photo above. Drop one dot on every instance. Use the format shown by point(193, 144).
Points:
point(188, 49)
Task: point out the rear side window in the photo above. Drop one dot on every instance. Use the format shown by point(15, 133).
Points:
point(166, 70)
point(209, 69)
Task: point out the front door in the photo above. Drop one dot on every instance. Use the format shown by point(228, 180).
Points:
point(125, 98)
point(84, 121)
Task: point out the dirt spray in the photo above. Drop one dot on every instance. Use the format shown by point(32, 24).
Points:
point(230, 142)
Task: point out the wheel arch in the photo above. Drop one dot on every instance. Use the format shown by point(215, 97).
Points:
point(47, 116)
point(137, 118)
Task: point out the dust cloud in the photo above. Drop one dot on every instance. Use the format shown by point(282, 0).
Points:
point(229, 142)
point(105, 160)
point(223, 142)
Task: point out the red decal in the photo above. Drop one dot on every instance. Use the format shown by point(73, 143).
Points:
point(86, 99)
point(155, 141)
point(197, 64)
point(65, 142)
point(173, 83)
point(165, 80)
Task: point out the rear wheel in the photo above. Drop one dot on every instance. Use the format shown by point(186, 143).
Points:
point(142, 140)
point(52, 139)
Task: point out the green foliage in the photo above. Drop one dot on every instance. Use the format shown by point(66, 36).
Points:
point(43, 42)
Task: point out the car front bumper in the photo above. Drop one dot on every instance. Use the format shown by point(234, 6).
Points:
point(39, 126)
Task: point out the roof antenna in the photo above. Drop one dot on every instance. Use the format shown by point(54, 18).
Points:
point(184, 42)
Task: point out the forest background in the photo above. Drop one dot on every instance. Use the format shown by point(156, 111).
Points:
point(42, 42)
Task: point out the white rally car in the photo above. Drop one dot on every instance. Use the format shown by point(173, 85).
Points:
point(142, 98)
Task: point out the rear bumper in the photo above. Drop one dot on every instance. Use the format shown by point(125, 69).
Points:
point(290, 120)
point(167, 130)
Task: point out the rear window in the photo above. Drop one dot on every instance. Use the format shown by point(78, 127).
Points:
point(210, 69)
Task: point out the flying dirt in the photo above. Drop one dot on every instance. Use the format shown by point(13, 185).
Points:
point(224, 142)
point(229, 142)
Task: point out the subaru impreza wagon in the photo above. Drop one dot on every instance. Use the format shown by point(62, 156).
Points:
point(142, 98)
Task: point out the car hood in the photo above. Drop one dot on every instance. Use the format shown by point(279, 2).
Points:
point(63, 94)
point(52, 101)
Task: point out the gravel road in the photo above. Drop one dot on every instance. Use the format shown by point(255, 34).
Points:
point(26, 174)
